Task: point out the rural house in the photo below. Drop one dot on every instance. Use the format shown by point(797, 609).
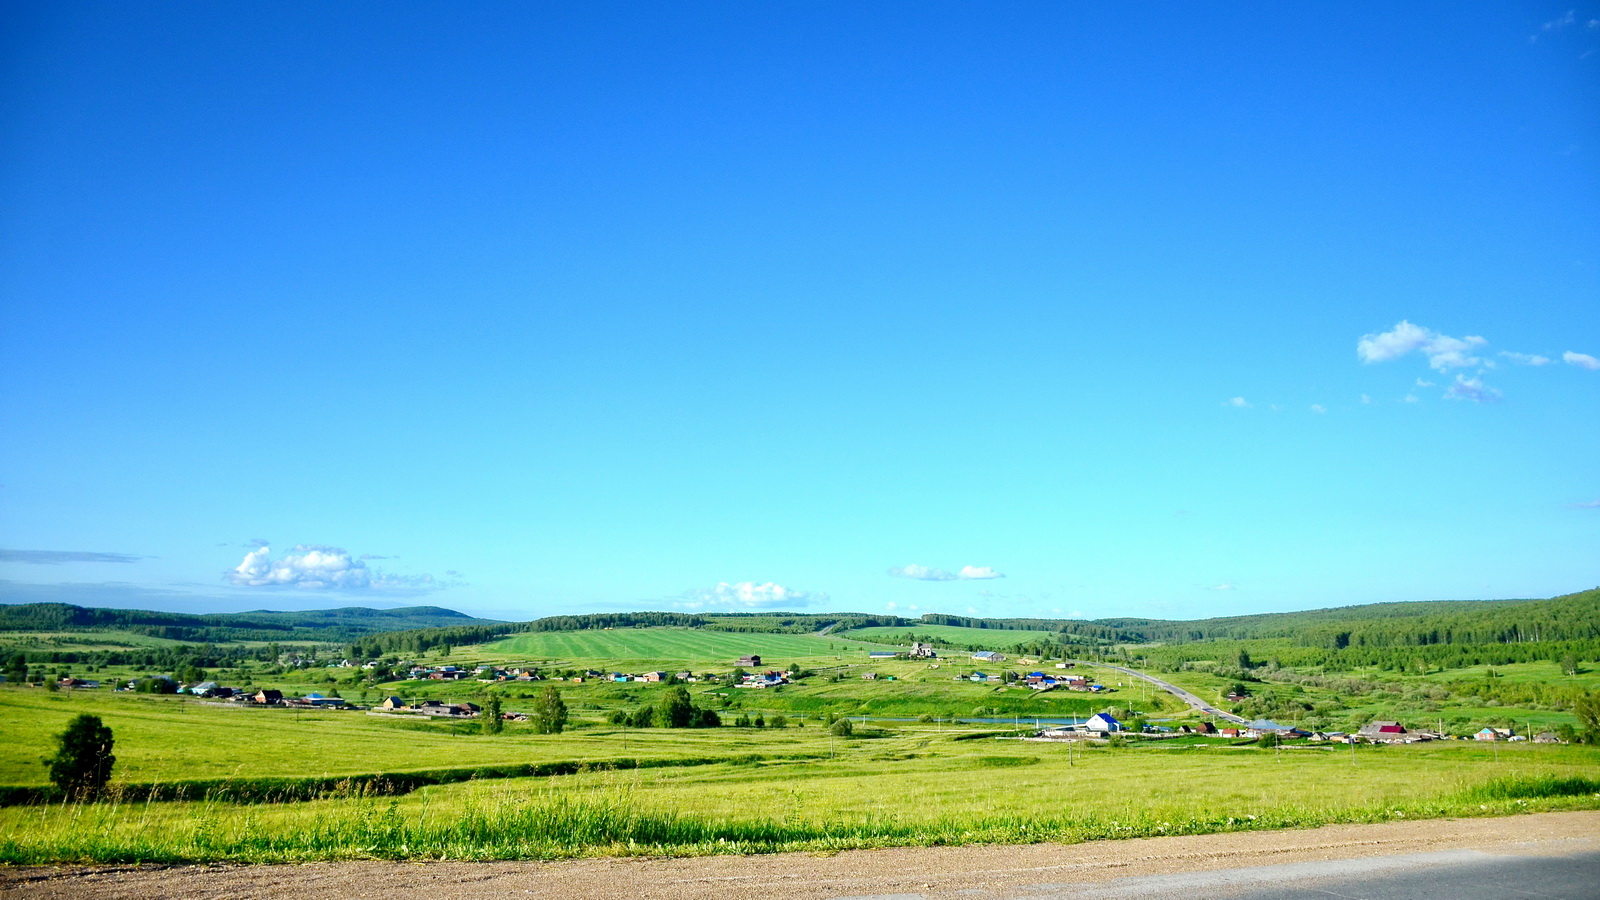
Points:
point(1102, 723)
point(749, 662)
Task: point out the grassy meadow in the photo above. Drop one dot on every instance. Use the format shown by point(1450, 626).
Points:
point(799, 789)
point(385, 786)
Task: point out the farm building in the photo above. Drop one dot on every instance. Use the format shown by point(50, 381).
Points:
point(882, 654)
point(988, 656)
point(1383, 732)
point(920, 650)
point(749, 661)
point(269, 697)
point(392, 703)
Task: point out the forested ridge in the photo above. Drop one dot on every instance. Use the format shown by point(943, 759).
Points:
point(260, 625)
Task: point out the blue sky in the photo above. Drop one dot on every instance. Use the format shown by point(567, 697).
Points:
point(1040, 310)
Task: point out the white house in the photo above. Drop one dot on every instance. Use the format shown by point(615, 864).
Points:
point(1102, 723)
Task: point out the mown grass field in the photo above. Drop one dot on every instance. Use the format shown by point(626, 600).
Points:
point(630, 649)
point(974, 638)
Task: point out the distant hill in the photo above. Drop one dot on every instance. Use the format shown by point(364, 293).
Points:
point(343, 624)
point(1571, 617)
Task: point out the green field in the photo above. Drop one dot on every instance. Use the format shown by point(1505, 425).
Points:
point(630, 649)
point(972, 638)
point(799, 788)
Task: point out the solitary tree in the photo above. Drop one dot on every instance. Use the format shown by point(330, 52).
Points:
point(17, 669)
point(549, 713)
point(492, 723)
point(82, 763)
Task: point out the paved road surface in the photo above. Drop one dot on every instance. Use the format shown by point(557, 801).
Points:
point(1175, 691)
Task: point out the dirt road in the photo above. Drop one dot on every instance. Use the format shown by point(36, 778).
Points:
point(970, 873)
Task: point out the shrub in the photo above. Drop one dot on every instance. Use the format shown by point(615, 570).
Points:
point(82, 763)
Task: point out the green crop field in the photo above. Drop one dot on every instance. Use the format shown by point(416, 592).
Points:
point(974, 638)
point(681, 647)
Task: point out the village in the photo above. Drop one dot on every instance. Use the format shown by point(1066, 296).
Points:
point(749, 673)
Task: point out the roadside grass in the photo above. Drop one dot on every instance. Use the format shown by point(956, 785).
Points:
point(915, 788)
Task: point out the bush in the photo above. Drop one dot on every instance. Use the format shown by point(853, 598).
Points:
point(82, 763)
point(842, 728)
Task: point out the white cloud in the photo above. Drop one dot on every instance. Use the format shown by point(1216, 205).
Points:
point(1411, 398)
point(1366, 398)
point(749, 595)
point(309, 567)
point(1237, 403)
point(1472, 389)
point(1443, 352)
point(1581, 360)
point(1223, 587)
point(921, 573)
point(317, 567)
point(1318, 408)
point(1526, 359)
point(929, 573)
point(1590, 504)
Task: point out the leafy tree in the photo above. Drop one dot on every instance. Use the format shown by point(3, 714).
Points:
point(492, 723)
point(675, 710)
point(549, 712)
point(842, 728)
point(779, 722)
point(760, 721)
point(82, 763)
point(1588, 711)
point(1244, 659)
point(17, 669)
point(1569, 665)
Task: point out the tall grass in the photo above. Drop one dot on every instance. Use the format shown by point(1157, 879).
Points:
point(552, 823)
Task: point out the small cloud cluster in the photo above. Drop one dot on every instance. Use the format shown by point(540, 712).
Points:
point(58, 557)
point(928, 573)
point(749, 595)
point(317, 567)
point(1445, 353)
point(1472, 389)
point(1237, 403)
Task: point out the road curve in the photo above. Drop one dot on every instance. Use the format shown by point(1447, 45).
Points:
point(1174, 690)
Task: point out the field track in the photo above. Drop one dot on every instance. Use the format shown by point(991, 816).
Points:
point(970, 873)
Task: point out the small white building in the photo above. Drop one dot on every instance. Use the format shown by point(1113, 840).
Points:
point(1102, 723)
